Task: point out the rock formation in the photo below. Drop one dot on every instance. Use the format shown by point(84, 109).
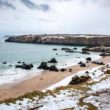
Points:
point(78, 80)
point(63, 39)
point(25, 66)
point(53, 60)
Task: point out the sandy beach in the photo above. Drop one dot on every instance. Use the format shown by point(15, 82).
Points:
point(41, 82)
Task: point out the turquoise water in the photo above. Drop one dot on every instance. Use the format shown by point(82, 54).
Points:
point(35, 54)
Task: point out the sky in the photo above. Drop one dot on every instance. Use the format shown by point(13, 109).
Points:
point(54, 16)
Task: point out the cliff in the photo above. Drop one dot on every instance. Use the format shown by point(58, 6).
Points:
point(63, 39)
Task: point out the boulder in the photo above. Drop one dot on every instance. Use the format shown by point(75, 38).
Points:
point(53, 68)
point(24, 66)
point(44, 66)
point(19, 62)
point(102, 49)
point(63, 70)
point(55, 49)
point(78, 80)
point(83, 65)
point(70, 70)
point(75, 48)
point(98, 62)
point(80, 62)
point(53, 60)
point(67, 50)
point(4, 62)
point(89, 59)
point(105, 54)
point(85, 52)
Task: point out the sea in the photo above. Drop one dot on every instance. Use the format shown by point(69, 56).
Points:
point(34, 54)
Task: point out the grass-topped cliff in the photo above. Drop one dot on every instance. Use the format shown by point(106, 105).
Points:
point(63, 39)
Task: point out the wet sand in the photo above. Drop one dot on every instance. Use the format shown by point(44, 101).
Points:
point(41, 82)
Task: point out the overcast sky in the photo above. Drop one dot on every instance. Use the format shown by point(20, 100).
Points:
point(54, 16)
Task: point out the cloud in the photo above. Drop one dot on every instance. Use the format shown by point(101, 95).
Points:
point(6, 4)
point(32, 5)
point(56, 16)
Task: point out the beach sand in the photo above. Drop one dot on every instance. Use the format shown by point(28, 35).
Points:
point(41, 82)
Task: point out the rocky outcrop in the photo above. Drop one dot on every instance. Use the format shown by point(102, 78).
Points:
point(97, 49)
point(25, 66)
point(78, 80)
point(88, 59)
point(53, 68)
point(82, 64)
point(67, 50)
point(4, 63)
point(53, 60)
point(98, 62)
point(63, 39)
point(44, 66)
point(63, 70)
point(104, 54)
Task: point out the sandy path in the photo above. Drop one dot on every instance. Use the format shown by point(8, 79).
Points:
point(41, 82)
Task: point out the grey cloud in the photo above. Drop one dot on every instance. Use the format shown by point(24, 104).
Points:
point(6, 4)
point(32, 5)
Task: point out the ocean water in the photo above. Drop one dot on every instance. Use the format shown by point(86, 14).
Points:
point(35, 54)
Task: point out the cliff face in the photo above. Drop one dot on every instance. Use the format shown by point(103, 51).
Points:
point(85, 40)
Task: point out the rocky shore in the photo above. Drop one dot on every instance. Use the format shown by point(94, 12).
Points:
point(63, 39)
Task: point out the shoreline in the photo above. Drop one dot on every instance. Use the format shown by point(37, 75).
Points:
point(34, 73)
point(42, 82)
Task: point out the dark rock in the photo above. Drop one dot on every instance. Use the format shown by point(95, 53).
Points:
point(44, 66)
point(87, 72)
point(24, 66)
point(98, 62)
point(85, 52)
point(53, 68)
point(83, 65)
point(53, 60)
point(67, 50)
point(55, 49)
point(88, 59)
point(78, 80)
point(63, 70)
point(4, 62)
point(97, 49)
point(105, 54)
point(70, 70)
point(19, 62)
point(75, 48)
point(80, 62)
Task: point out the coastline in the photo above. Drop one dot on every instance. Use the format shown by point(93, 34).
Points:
point(42, 82)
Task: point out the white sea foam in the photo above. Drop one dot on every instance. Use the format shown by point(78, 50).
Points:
point(17, 75)
point(75, 61)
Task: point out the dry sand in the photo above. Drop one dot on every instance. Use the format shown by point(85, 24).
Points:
point(41, 82)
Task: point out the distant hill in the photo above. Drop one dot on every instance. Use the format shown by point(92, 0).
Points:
point(63, 39)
